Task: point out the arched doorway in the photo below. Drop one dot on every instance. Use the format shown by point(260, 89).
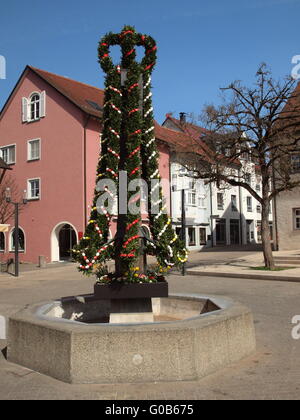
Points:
point(66, 240)
point(63, 239)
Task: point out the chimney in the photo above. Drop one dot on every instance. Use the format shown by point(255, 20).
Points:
point(182, 116)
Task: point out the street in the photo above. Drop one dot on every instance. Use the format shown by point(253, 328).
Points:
point(271, 373)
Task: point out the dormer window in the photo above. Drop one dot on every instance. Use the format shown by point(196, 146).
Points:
point(34, 107)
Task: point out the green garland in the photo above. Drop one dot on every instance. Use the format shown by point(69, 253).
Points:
point(123, 118)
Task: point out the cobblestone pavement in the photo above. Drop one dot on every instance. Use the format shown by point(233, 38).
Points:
point(273, 372)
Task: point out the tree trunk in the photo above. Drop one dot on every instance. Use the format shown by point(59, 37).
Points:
point(266, 237)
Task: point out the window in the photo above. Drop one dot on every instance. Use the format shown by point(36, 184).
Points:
point(202, 232)
point(248, 178)
point(257, 187)
point(192, 184)
point(201, 202)
point(8, 154)
point(227, 152)
point(295, 163)
point(249, 204)
point(34, 149)
point(258, 209)
point(192, 236)
point(33, 189)
point(245, 155)
point(297, 219)
point(34, 107)
point(2, 242)
point(233, 203)
point(220, 201)
point(191, 198)
point(21, 240)
point(259, 239)
point(174, 182)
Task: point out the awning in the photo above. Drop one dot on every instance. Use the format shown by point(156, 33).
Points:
point(4, 228)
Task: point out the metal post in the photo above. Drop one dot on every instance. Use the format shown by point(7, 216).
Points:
point(183, 226)
point(16, 239)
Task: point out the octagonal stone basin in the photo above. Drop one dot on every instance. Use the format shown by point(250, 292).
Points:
point(71, 340)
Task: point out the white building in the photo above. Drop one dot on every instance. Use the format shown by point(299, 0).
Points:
point(215, 216)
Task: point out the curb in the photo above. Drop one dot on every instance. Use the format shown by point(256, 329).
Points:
point(245, 276)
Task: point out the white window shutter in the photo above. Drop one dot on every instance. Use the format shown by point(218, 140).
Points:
point(24, 109)
point(43, 104)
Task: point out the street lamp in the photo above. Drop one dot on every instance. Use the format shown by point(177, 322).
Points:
point(16, 232)
point(184, 188)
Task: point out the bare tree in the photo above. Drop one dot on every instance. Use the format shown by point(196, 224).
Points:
point(262, 122)
point(6, 209)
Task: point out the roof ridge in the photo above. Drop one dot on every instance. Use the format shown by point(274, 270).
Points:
point(64, 77)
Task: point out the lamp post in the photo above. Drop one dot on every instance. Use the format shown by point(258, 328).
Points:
point(183, 189)
point(16, 232)
point(183, 226)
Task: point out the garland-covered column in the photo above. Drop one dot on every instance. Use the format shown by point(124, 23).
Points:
point(128, 147)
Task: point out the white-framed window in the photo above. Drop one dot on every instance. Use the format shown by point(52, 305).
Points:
point(258, 209)
point(192, 184)
point(249, 204)
point(296, 217)
point(34, 189)
point(34, 107)
point(174, 182)
point(192, 236)
point(202, 202)
point(8, 154)
point(220, 201)
point(233, 203)
point(248, 179)
point(202, 236)
point(21, 240)
point(191, 198)
point(34, 149)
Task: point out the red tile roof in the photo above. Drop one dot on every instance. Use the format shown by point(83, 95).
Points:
point(86, 97)
point(195, 132)
point(80, 93)
point(76, 92)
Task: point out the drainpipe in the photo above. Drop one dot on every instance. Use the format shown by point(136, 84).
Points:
point(241, 212)
point(211, 219)
point(84, 171)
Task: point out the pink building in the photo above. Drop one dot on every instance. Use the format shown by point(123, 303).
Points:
point(50, 129)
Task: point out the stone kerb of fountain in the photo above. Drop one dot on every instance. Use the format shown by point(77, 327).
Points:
point(72, 340)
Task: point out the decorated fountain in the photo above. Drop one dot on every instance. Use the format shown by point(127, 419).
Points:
point(130, 329)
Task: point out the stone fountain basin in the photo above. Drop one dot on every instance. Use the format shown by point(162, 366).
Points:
point(71, 340)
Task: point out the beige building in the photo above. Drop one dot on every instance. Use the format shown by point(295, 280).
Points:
point(288, 219)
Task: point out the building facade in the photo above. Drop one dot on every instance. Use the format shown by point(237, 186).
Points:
point(50, 136)
point(230, 215)
point(50, 128)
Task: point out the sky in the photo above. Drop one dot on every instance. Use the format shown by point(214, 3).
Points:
point(202, 45)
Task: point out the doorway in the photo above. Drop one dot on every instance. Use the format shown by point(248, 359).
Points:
point(63, 239)
point(221, 231)
point(234, 232)
point(66, 240)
